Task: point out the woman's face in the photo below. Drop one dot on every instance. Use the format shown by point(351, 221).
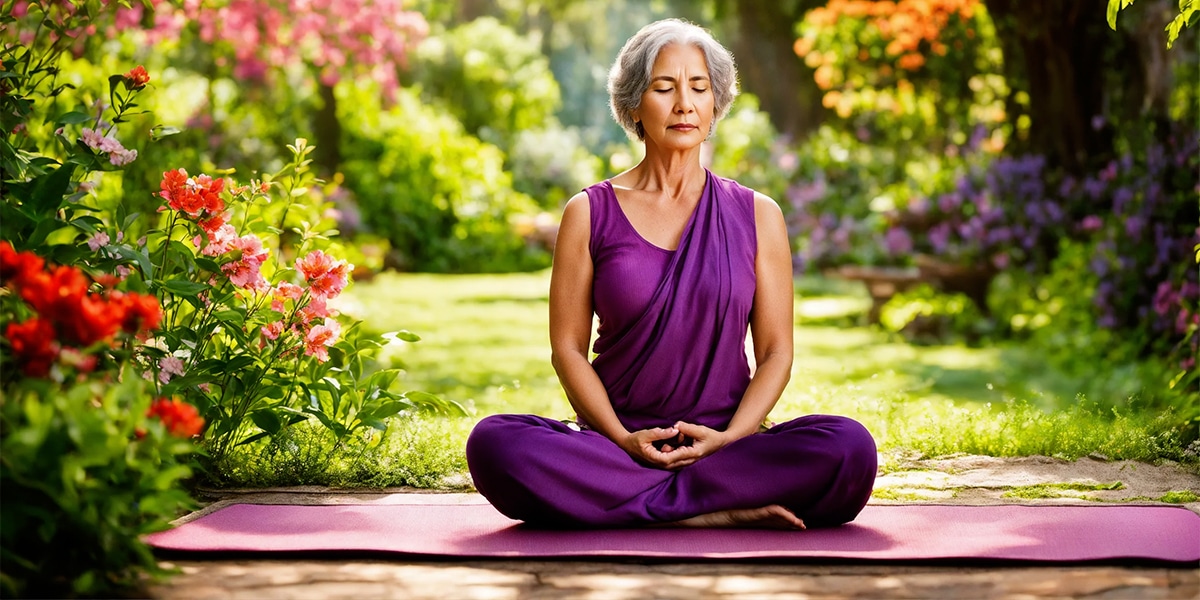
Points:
point(677, 109)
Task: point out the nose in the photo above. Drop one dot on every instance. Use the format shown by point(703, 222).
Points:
point(683, 102)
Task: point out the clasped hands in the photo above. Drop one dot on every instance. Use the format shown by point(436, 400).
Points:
point(674, 447)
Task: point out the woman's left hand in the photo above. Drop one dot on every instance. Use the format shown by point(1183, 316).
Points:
point(703, 442)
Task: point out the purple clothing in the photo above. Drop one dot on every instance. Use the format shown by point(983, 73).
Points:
point(672, 337)
point(671, 347)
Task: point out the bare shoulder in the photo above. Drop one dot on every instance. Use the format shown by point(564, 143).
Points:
point(767, 213)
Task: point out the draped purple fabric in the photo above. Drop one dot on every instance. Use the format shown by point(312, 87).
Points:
point(671, 347)
point(673, 324)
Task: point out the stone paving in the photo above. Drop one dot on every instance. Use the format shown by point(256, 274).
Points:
point(965, 480)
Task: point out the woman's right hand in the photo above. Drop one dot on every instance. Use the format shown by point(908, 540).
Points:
point(661, 447)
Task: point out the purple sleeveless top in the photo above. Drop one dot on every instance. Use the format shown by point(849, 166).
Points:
point(673, 324)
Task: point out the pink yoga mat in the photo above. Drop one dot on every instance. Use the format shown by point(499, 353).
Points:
point(882, 532)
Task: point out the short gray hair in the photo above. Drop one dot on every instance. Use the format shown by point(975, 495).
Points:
point(629, 77)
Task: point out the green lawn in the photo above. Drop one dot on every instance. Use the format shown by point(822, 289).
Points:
point(485, 345)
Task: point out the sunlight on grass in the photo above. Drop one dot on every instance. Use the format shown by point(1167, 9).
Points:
point(485, 344)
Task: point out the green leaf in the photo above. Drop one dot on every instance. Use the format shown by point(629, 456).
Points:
point(403, 335)
point(183, 287)
point(267, 420)
point(73, 118)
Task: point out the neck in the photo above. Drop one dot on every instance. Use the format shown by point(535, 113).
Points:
point(675, 174)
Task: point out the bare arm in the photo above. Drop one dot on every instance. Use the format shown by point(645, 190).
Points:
point(571, 331)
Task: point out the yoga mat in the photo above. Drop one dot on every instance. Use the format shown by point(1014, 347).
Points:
point(1056, 534)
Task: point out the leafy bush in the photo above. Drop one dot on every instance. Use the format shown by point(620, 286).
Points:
point(926, 315)
point(551, 164)
point(440, 197)
point(493, 79)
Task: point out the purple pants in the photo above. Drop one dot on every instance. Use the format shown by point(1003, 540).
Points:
point(541, 471)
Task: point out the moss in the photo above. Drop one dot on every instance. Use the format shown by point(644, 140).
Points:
point(1056, 490)
point(1180, 497)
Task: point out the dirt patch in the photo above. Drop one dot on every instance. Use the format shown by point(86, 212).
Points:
point(990, 480)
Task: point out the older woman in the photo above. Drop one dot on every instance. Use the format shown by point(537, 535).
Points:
point(677, 263)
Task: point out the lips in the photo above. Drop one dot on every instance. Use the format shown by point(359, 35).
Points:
point(683, 127)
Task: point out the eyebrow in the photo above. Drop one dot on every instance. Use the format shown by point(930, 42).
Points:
point(672, 79)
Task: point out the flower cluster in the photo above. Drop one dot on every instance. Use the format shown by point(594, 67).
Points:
point(69, 320)
point(1000, 215)
point(1144, 258)
point(305, 317)
point(180, 418)
point(118, 155)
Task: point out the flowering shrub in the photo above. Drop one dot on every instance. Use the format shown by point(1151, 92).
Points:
point(998, 216)
point(89, 464)
point(924, 70)
point(119, 356)
point(1145, 257)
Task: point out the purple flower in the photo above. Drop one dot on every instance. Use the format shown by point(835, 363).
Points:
point(939, 237)
point(949, 202)
point(898, 241)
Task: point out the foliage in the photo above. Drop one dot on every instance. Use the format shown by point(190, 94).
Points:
point(89, 464)
point(837, 205)
point(495, 81)
point(416, 451)
point(747, 148)
point(1189, 14)
point(926, 315)
point(1000, 215)
point(440, 197)
point(916, 72)
point(550, 164)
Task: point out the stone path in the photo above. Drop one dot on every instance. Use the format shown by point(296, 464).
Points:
point(961, 480)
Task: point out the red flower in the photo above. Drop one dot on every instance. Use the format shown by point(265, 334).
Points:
point(141, 312)
point(33, 345)
point(199, 197)
point(137, 78)
point(16, 266)
point(180, 418)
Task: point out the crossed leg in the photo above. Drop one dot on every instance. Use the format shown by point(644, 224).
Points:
point(819, 467)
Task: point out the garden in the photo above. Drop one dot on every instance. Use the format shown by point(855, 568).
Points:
point(264, 243)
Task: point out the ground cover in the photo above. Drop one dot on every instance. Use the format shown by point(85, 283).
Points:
point(484, 344)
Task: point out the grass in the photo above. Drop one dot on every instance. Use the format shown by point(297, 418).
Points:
point(1058, 490)
point(485, 344)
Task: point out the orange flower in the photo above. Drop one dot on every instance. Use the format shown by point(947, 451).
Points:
point(137, 78)
point(180, 418)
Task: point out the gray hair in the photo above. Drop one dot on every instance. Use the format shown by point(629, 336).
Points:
point(629, 77)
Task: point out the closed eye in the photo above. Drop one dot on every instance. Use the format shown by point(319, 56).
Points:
point(699, 91)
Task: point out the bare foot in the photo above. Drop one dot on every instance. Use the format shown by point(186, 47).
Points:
point(766, 517)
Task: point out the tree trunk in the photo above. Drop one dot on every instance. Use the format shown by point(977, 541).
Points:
point(327, 156)
point(769, 68)
point(1062, 54)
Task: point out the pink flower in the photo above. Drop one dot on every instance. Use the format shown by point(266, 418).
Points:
point(168, 367)
point(98, 241)
point(326, 276)
point(220, 240)
point(272, 330)
point(317, 308)
point(121, 157)
point(245, 272)
point(1091, 223)
point(283, 292)
point(319, 338)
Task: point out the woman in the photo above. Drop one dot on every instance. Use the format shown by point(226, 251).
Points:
point(676, 263)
